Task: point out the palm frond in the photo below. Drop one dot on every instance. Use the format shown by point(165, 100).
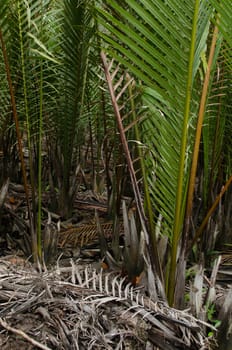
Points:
point(162, 43)
point(77, 33)
point(223, 21)
point(215, 126)
point(224, 15)
point(149, 256)
point(7, 135)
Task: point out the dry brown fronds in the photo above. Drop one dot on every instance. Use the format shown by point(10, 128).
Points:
point(78, 307)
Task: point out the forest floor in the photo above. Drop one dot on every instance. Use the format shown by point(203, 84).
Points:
point(78, 301)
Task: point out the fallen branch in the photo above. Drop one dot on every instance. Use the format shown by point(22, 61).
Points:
point(23, 335)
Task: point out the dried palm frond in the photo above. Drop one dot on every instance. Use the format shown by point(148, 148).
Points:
point(134, 247)
point(225, 316)
point(3, 192)
point(79, 307)
point(50, 240)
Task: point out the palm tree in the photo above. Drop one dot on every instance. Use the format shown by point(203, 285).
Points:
point(179, 55)
point(48, 57)
point(174, 49)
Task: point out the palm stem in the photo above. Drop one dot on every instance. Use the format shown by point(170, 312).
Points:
point(39, 237)
point(28, 126)
point(198, 135)
point(147, 199)
point(211, 210)
point(19, 140)
point(180, 185)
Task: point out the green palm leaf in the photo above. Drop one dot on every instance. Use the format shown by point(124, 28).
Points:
point(77, 34)
point(224, 11)
point(161, 43)
point(219, 109)
point(19, 22)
